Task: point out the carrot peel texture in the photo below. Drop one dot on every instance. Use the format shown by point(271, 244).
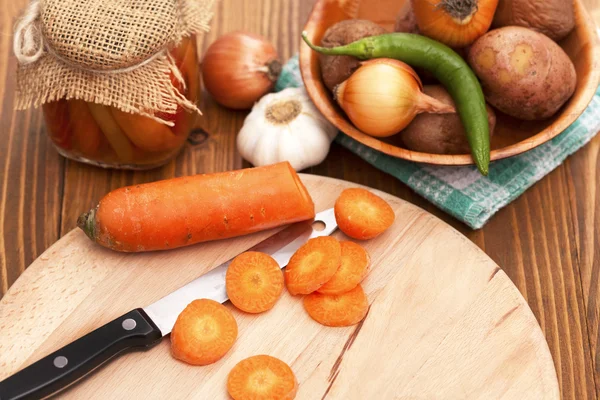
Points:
point(183, 211)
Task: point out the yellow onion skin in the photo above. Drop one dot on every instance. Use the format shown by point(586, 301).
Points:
point(383, 96)
point(239, 68)
point(435, 19)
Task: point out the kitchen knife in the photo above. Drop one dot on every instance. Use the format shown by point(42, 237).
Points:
point(145, 327)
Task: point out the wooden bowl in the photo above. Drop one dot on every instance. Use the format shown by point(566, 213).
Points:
point(511, 137)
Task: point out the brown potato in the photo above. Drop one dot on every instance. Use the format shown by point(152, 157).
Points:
point(553, 18)
point(523, 73)
point(406, 21)
point(336, 69)
point(440, 133)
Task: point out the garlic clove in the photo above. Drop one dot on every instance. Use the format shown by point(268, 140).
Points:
point(266, 151)
point(291, 147)
point(304, 151)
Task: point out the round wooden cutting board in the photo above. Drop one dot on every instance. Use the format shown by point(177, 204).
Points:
point(445, 321)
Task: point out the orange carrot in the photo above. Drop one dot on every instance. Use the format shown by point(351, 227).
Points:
point(188, 210)
point(58, 123)
point(151, 135)
point(189, 68)
point(362, 215)
point(254, 282)
point(181, 54)
point(262, 378)
point(203, 333)
point(113, 133)
point(312, 265)
point(144, 132)
point(354, 268)
point(86, 132)
point(337, 309)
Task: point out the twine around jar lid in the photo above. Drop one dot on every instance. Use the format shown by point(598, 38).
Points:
point(110, 52)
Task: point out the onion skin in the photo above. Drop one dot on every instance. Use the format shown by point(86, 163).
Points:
point(444, 20)
point(239, 68)
point(383, 96)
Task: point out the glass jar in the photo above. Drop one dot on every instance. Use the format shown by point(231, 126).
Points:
point(108, 137)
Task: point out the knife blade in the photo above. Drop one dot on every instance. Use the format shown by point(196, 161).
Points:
point(143, 328)
point(280, 246)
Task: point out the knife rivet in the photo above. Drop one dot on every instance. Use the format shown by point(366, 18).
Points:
point(60, 362)
point(129, 324)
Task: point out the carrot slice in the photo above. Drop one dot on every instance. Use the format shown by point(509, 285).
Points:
point(144, 132)
point(362, 215)
point(113, 133)
point(313, 264)
point(262, 378)
point(190, 70)
point(203, 333)
point(254, 282)
point(184, 120)
point(353, 269)
point(86, 132)
point(58, 122)
point(338, 309)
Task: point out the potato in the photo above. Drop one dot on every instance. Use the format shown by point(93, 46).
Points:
point(406, 21)
point(336, 69)
point(440, 133)
point(523, 73)
point(553, 18)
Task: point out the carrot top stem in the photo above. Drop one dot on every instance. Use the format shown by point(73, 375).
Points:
point(87, 223)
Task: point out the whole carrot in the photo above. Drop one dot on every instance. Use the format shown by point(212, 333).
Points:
point(183, 211)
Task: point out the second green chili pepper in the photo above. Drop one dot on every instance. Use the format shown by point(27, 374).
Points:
point(446, 65)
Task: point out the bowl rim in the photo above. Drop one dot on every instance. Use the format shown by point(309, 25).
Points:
point(311, 76)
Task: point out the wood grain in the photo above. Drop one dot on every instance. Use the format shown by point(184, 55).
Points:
point(547, 241)
point(449, 322)
point(31, 172)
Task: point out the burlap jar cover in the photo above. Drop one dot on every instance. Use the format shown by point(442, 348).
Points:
point(110, 52)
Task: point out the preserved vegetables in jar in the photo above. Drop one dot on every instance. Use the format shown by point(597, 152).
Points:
point(117, 82)
point(108, 137)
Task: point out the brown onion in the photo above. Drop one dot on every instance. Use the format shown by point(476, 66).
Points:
point(383, 96)
point(239, 68)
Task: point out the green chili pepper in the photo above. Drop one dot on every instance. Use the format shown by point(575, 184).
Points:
point(445, 64)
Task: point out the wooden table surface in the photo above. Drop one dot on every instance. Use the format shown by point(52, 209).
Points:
point(547, 241)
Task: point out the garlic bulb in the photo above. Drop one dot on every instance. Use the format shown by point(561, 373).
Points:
point(285, 126)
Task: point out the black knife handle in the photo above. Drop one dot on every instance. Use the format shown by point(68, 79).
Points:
point(65, 366)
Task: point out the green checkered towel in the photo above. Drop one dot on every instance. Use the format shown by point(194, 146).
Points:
point(462, 191)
